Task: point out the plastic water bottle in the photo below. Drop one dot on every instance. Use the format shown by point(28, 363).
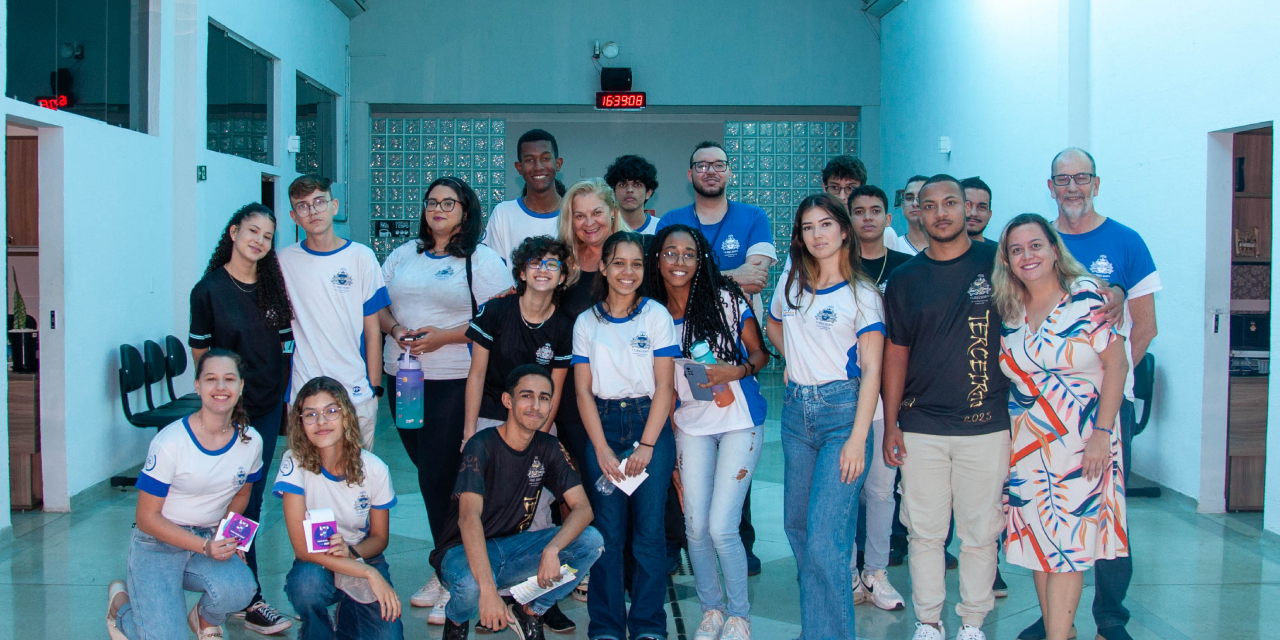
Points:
point(605, 486)
point(409, 411)
point(701, 353)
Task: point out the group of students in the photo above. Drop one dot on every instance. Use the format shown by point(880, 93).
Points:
point(549, 343)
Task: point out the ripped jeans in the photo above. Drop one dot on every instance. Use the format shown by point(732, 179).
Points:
point(716, 473)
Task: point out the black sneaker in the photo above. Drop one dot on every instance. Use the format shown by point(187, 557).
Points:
point(673, 563)
point(1000, 589)
point(454, 630)
point(263, 618)
point(897, 550)
point(1034, 632)
point(526, 625)
point(753, 565)
point(952, 561)
point(555, 620)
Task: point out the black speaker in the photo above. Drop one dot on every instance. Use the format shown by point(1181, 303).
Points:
point(615, 79)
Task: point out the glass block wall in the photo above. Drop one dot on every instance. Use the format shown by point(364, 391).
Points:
point(307, 159)
point(407, 154)
point(243, 135)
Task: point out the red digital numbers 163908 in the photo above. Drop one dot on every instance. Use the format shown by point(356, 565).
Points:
point(620, 100)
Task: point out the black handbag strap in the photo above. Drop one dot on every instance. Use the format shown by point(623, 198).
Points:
point(471, 291)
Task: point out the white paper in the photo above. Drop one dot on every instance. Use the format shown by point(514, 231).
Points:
point(317, 515)
point(629, 483)
point(528, 591)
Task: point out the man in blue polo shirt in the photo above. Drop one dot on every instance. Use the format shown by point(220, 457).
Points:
point(1117, 254)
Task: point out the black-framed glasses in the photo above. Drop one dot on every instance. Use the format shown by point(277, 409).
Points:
point(447, 205)
point(719, 166)
point(550, 264)
point(318, 205)
point(329, 414)
point(1063, 179)
point(840, 191)
point(675, 257)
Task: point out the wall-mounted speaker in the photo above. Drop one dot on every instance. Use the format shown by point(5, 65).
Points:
point(615, 79)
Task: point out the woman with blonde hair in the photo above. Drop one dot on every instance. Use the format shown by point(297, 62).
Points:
point(1066, 505)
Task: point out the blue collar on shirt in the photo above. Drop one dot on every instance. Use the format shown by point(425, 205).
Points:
point(186, 422)
point(535, 214)
point(329, 476)
point(309, 250)
point(830, 289)
point(631, 316)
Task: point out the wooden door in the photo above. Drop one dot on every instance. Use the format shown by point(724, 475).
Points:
point(22, 180)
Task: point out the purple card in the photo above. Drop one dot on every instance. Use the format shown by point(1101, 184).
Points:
point(320, 532)
point(240, 528)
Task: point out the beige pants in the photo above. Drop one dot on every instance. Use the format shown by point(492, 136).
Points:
point(367, 416)
point(967, 474)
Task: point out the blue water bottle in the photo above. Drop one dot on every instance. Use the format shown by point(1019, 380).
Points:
point(701, 353)
point(409, 411)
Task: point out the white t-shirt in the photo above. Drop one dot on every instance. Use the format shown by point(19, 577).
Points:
point(198, 484)
point(900, 244)
point(350, 503)
point(511, 222)
point(821, 337)
point(431, 291)
point(621, 350)
point(332, 292)
point(703, 417)
point(649, 227)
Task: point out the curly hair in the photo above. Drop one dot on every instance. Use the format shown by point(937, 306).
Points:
point(533, 248)
point(305, 453)
point(464, 240)
point(273, 298)
point(631, 167)
point(846, 167)
point(804, 268)
point(705, 315)
point(239, 416)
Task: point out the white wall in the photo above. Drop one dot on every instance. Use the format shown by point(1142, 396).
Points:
point(4, 393)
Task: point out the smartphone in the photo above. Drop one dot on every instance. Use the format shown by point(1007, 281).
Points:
point(696, 374)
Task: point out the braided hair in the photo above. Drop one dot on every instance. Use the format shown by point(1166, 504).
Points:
point(273, 298)
point(705, 315)
point(239, 416)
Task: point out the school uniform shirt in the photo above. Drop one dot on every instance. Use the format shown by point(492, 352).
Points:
point(703, 417)
point(332, 292)
point(944, 313)
point(879, 269)
point(510, 482)
point(903, 246)
point(649, 227)
point(197, 484)
point(225, 314)
point(350, 503)
point(821, 336)
point(511, 341)
point(743, 231)
point(621, 350)
point(431, 291)
point(511, 222)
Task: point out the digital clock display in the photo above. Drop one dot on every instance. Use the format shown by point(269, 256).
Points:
point(620, 100)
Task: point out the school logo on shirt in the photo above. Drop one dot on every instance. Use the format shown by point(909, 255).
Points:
point(151, 463)
point(730, 247)
point(1102, 267)
point(640, 344)
point(445, 273)
point(980, 290)
point(544, 354)
point(362, 501)
point(342, 280)
point(536, 471)
point(286, 467)
point(826, 317)
point(240, 477)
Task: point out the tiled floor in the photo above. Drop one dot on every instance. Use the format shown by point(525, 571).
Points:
point(1194, 577)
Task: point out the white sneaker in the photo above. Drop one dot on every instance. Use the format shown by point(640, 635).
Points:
point(437, 610)
point(712, 623)
point(114, 591)
point(969, 632)
point(860, 593)
point(202, 632)
point(736, 629)
point(428, 595)
point(880, 592)
point(928, 632)
point(580, 591)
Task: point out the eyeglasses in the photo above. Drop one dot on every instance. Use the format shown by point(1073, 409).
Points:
point(329, 414)
point(841, 192)
point(1063, 179)
point(673, 257)
point(550, 264)
point(445, 205)
point(718, 166)
point(305, 208)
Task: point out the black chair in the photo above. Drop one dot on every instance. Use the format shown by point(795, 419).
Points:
point(155, 368)
point(1144, 383)
point(133, 377)
point(175, 364)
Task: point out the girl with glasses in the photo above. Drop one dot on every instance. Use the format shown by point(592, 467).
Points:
point(325, 468)
point(718, 446)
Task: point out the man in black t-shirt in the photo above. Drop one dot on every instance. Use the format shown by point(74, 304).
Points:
point(946, 409)
point(486, 544)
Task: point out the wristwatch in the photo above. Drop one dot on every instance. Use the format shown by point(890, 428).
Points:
point(378, 391)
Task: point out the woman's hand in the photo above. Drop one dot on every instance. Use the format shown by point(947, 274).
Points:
point(426, 340)
point(639, 460)
point(388, 601)
point(609, 464)
point(853, 459)
point(1097, 454)
point(338, 547)
point(723, 374)
point(221, 549)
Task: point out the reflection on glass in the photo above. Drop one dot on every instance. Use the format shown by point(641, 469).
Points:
point(317, 129)
point(239, 83)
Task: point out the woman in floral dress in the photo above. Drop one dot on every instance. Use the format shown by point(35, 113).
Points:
point(1066, 486)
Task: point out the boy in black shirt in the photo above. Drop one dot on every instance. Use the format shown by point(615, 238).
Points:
point(943, 387)
point(503, 471)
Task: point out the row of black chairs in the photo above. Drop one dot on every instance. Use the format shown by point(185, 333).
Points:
point(144, 370)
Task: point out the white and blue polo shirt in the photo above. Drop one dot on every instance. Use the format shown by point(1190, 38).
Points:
point(197, 484)
point(621, 350)
point(350, 503)
point(821, 337)
point(511, 222)
point(703, 417)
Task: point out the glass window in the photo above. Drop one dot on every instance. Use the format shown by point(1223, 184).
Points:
point(317, 129)
point(240, 82)
point(88, 57)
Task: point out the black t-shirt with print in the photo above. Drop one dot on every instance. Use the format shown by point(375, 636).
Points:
point(225, 314)
point(944, 312)
point(510, 482)
point(879, 269)
point(500, 328)
point(575, 299)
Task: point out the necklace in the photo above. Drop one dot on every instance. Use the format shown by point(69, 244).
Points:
point(206, 429)
point(234, 281)
point(882, 266)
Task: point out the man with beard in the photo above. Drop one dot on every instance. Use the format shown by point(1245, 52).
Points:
point(535, 212)
point(946, 415)
point(979, 194)
point(633, 180)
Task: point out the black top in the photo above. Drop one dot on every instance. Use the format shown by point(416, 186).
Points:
point(881, 268)
point(575, 299)
point(511, 341)
point(225, 314)
point(944, 312)
point(510, 482)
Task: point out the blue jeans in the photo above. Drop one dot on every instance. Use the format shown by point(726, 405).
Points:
point(644, 512)
point(268, 426)
point(820, 513)
point(1111, 577)
point(158, 574)
point(513, 560)
point(311, 592)
point(716, 473)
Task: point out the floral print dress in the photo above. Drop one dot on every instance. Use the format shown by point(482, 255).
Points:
point(1057, 521)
